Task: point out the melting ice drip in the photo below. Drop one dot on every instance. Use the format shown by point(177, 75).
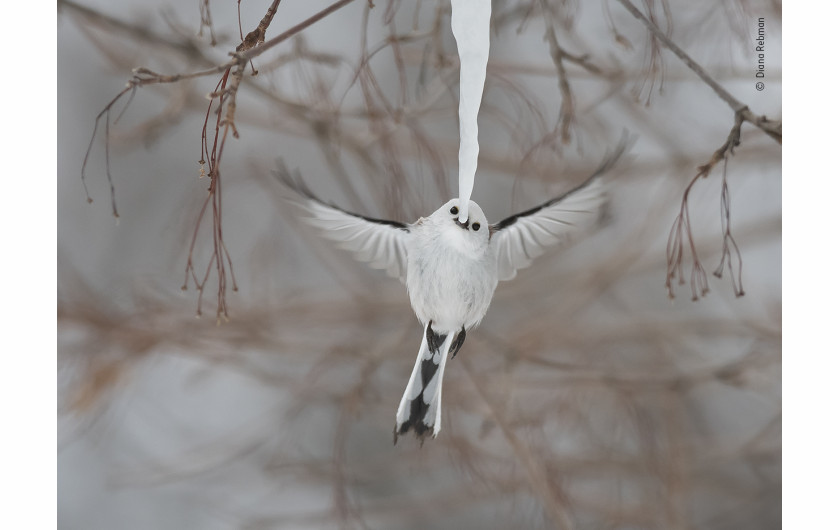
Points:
point(471, 27)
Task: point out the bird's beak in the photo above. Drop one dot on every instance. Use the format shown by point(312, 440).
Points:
point(465, 225)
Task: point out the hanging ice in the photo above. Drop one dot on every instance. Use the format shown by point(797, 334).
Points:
point(471, 27)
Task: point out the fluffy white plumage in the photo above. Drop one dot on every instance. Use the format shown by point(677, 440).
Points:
point(450, 268)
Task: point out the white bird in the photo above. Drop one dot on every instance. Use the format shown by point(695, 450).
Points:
point(450, 269)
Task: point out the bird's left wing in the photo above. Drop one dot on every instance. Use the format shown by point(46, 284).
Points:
point(520, 238)
point(380, 243)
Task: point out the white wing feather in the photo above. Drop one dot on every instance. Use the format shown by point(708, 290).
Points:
point(382, 244)
point(519, 239)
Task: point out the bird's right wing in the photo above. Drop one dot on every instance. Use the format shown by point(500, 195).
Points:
point(380, 243)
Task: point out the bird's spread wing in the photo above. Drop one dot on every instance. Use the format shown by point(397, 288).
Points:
point(380, 243)
point(520, 238)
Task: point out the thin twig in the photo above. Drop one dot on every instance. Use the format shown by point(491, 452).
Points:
point(567, 107)
point(294, 30)
point(206, 21)
point(682, 228)
point(558, 55)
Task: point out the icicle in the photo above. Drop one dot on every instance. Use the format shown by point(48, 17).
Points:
point(471, 27)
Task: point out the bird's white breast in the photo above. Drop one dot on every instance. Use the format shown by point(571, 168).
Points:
point(450, 282)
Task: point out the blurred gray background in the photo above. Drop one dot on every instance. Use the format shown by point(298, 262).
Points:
point(588, 398)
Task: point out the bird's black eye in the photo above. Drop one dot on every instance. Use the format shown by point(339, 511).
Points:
point(476, 226)
point(454, 210)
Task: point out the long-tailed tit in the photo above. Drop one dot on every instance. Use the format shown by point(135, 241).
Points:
point(451, 269)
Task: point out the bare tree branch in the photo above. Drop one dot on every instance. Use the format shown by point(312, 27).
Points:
point(253, 45)
point(773, 128)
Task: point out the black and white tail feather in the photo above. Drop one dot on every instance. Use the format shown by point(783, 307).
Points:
point(451, 268)
point(420, 406)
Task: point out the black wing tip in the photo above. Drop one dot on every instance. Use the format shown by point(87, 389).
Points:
point(294, 182)
point(608, 163)
point(387, 222)
point(612, 157)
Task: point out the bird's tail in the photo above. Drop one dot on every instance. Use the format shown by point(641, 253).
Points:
point(420, 406)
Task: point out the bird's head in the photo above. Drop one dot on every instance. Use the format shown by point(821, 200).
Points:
point(472, 236)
